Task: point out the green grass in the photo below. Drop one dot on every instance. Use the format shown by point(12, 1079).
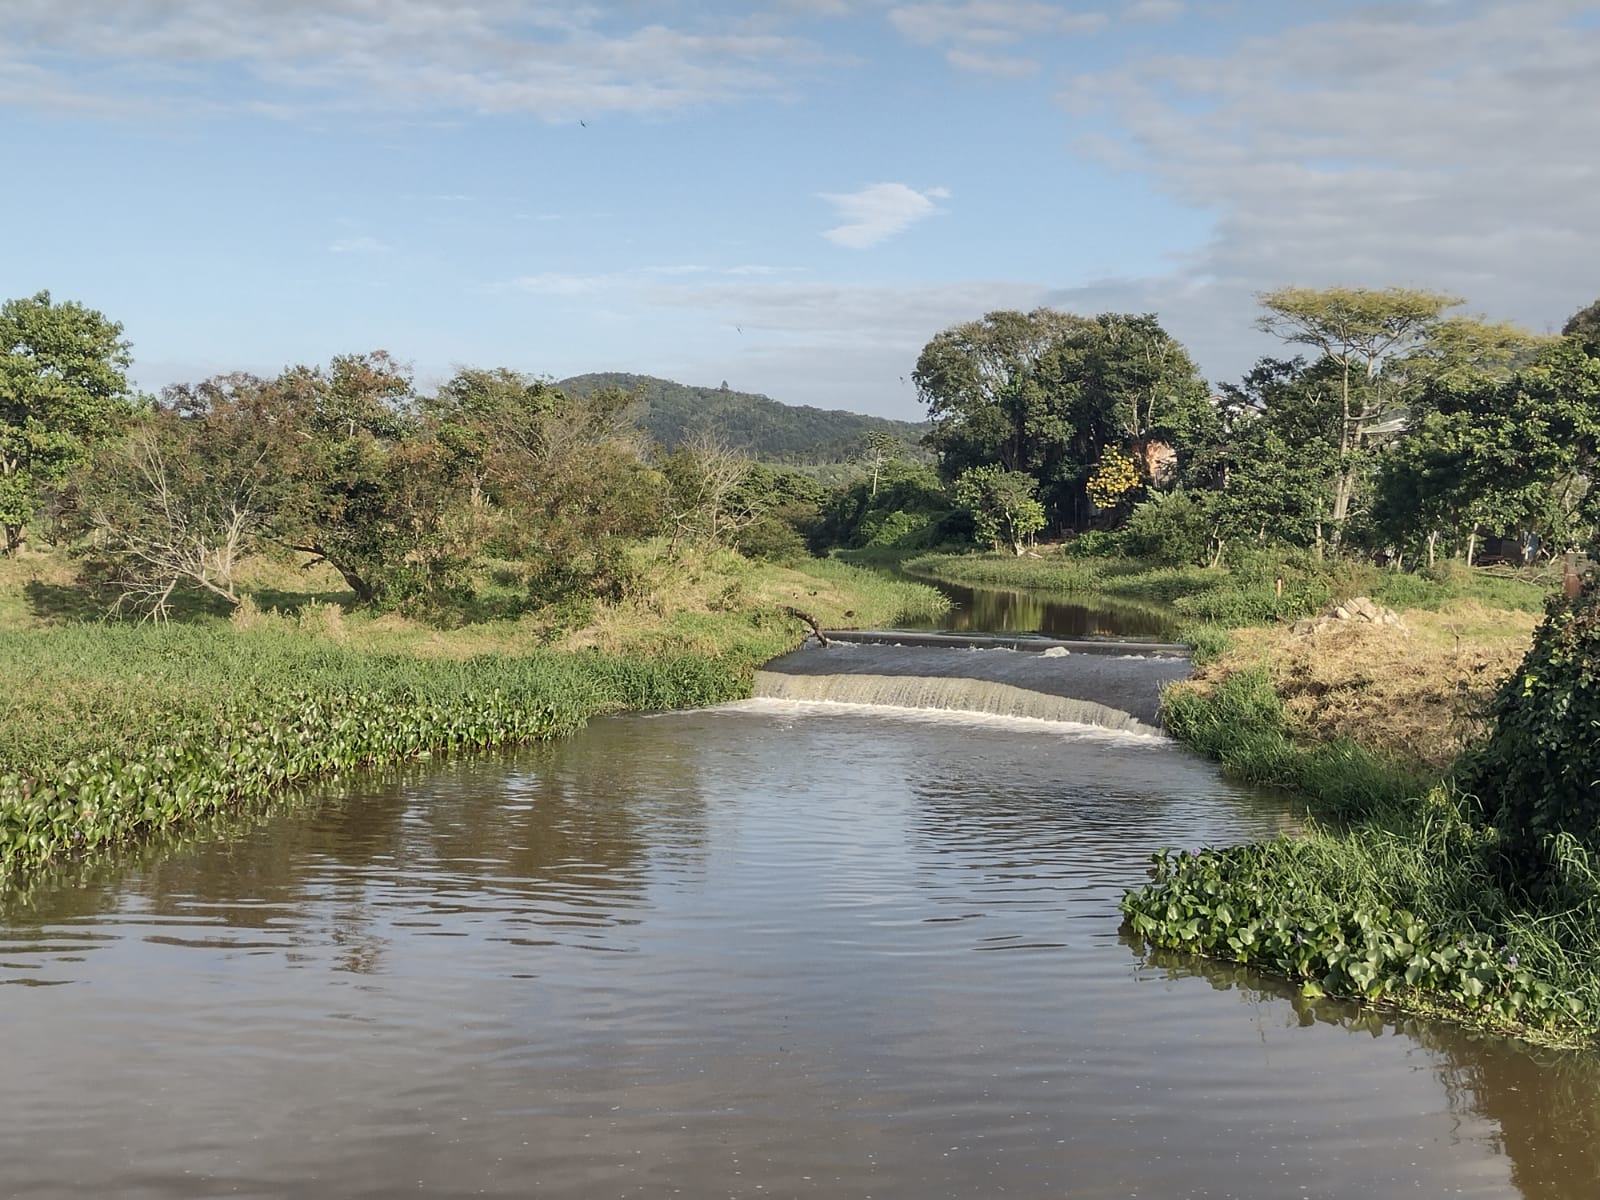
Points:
point(111, 731)
point(1395, 893)
point(1261, 589)
point(1242, 725)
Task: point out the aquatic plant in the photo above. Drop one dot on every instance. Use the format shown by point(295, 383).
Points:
point(262, 741)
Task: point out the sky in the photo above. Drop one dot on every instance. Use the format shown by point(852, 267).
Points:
point(791, 197)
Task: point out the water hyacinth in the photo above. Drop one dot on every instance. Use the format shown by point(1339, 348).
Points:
point(258, 744)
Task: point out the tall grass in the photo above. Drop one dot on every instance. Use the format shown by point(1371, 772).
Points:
point(1241, 723)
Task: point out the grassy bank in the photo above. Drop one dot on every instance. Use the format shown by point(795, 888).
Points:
point(109, 731)
point(1396, 892)
point(1252, 592)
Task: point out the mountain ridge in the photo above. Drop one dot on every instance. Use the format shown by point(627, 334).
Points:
point(749, 421)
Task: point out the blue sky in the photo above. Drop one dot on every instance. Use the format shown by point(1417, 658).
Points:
point(792, 197)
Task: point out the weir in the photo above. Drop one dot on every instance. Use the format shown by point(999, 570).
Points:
point(1116, 685)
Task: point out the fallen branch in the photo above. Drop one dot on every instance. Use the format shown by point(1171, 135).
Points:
point(816, 629)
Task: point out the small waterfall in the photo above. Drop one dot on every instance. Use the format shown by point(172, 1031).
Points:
point(956, 695)
point(1115, 687)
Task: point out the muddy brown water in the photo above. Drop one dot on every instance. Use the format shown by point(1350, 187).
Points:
point(775, 949)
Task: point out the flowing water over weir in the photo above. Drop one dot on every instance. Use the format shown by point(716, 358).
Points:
point(1115, 685)
point(779, 948)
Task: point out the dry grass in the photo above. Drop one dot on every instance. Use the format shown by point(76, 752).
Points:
point(1417, 693)
point(701, 600)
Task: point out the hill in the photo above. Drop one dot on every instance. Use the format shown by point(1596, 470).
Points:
point(756, 424)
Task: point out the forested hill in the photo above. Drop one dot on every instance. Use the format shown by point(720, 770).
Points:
point(755, 424)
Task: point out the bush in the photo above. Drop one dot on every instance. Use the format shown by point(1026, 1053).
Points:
point(1538, 775)
point(1097, 543)
point(902, 530)
point(1175, 529)
point(770, 539)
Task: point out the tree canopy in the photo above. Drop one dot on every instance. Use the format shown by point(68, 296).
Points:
point(1047, 392)
point(62, 390)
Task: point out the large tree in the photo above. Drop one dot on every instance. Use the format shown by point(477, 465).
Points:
point(1515, 455)
point(62, 390)
point(565, 472)
point(1359, 330)
point(1047, 393)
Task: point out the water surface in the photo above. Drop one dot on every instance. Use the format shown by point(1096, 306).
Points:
point(766, 950)
point(975, 609)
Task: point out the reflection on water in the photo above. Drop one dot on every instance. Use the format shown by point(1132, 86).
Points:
point(993, 610)
point(762, 950)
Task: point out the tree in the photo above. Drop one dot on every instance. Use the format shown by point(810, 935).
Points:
point(565, 473)
point(62, 391)
point(1047, 392)
point(181, 500)
point(1003, 507)
point(878, 449)
point(986, 393)
point(1585, 326)
point(707, 500)
point(1459, 351)
point(1358, 329)
point(1519, 454)
point(1276, 458)
point(369, 490)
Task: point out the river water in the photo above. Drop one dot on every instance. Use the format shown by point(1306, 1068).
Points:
point(1031, 610)
point(773, 949)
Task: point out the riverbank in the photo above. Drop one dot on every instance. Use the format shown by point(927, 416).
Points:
point(109, 731)
point(1395, 892)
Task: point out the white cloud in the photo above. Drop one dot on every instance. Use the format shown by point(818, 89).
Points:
point(879, 211)
point(1000, 66)
point(359, 245)
point(558, 60)
point(558, 283)
point(1153, 10)
point(975, 28)
point(1450, 147)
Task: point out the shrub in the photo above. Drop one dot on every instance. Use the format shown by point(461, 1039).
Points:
point(1175, 529)
point(1538, 774)
point(1097, 543)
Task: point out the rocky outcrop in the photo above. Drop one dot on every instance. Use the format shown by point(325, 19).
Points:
point(1360, 610)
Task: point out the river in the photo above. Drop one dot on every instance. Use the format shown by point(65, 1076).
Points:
point(1032, 610)
point(770, 949)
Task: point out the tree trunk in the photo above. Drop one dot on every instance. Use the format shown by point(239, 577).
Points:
point(1472, 545)
point(1433, 543)
point(15, 536)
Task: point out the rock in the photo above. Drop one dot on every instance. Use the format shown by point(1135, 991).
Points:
point(1360, 609)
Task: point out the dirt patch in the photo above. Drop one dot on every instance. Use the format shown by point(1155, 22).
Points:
point(1417, 690)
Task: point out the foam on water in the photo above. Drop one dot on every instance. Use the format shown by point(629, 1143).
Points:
point(1135, 733)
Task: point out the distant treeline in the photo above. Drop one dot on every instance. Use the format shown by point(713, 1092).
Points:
point(1411, 433)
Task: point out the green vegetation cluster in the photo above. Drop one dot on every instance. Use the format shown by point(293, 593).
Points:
point(1473, 893)
point(300, 712)
point(332, 569)
point(1411, 434)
